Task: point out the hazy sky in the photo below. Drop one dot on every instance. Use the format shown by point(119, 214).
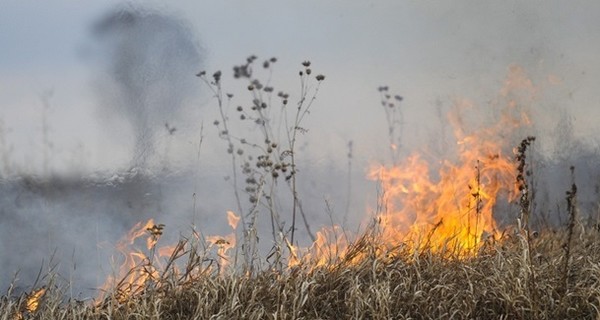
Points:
point(425, 51)
point(56, 91)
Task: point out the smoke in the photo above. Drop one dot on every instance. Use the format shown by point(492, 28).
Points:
point(148, 61)
point(145, 78)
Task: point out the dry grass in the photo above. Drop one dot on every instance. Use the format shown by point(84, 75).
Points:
point(383, 284)
point(524, 275)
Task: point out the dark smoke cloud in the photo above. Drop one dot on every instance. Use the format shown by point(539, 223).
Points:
point(148, 59)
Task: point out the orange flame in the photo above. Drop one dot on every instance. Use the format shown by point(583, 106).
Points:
point(445, 208)
point(33, 300)
point(329, 245)
point(232, 219)
point(137, 268)
point(32, 303)
point(225, 243)
point(453, 211)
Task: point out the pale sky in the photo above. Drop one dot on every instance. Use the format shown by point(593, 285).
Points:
point(425, 51)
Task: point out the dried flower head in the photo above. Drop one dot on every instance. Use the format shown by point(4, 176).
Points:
point(217, 76)
point(242, 71)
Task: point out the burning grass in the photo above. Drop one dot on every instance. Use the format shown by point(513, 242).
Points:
point(370, 281)
point(433, 250)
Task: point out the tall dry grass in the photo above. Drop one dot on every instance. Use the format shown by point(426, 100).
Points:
point(382, 284)
point(552, 274)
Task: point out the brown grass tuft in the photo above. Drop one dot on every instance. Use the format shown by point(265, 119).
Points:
point(381, 284)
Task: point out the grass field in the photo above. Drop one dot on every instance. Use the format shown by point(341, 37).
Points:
point(371, 281)
point(432, 250)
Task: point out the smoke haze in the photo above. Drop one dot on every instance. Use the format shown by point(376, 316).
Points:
point(148, 59)
point(138, 128)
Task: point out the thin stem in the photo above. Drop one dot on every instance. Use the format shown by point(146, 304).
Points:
point(300, 113)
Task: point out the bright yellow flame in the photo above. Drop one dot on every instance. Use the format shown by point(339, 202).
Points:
point(452, 211)
point(445, 206)
point(33, 300)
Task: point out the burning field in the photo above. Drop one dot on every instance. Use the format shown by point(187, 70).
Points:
point(496, 215)
point(460, 237)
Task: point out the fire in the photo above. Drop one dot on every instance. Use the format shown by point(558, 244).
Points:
point(32, 303)
point(330, 244)
point(452, 211)
point(138, 268)
point(33, 300)
point(444, 207)
point(232, 219)
point(225, 243)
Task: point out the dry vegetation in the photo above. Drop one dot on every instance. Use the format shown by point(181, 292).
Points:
point(382, 284)
point(553, 274)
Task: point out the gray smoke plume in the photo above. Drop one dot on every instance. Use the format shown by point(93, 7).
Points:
point(70, 223)
point(148, 60)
